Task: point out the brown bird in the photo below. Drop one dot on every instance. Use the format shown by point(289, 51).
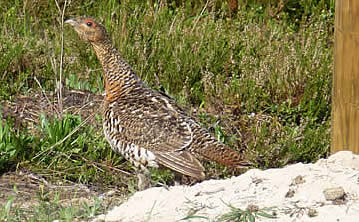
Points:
point(147, 127)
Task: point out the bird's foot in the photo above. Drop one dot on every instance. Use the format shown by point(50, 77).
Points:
point(144, 180)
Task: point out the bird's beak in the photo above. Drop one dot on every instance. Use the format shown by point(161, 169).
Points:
point(71, 22)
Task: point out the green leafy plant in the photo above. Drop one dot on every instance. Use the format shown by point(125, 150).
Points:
point(249, 215)
point(59, 137)
point(12, 144)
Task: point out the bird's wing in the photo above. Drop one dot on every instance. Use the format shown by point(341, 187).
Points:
point(154, 123)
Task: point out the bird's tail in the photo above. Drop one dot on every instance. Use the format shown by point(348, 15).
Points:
point(211, 149)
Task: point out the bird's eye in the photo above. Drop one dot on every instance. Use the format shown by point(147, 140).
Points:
point(89, 24)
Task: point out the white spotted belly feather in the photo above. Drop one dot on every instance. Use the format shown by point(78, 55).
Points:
point(138, 156)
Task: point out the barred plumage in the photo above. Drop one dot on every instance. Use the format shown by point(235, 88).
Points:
point(145, 126)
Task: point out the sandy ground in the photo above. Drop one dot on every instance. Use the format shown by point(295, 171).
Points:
point(325, 191)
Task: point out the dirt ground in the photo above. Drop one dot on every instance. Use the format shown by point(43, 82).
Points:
point(29, 189)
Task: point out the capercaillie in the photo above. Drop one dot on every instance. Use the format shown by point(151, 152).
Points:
point(145, 126)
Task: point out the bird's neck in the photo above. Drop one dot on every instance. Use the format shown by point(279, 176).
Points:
point(120, 79)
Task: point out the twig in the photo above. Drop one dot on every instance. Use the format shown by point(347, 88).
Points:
point(59, 95)
point(47, 98)
point(204, 8)
point(112, 168)
point(172, 25)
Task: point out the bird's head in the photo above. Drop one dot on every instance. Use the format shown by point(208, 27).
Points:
point(88, 29)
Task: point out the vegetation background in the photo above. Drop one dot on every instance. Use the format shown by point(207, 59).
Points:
point(256, 73)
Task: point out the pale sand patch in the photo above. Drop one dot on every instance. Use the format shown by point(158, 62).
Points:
point(293, 193)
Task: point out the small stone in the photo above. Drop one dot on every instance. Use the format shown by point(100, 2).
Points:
point(312, 212)
point(336, 193)
point(252, 208)
point(290, 193)
point(298, 180)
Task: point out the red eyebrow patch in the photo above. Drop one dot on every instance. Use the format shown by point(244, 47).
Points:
point(91, 21)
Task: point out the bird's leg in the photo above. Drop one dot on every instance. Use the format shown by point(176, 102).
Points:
point(144, 179)
point(177, 179)
point(181, 179)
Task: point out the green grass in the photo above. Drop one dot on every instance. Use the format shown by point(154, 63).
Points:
point(75, 152)
point(12, 145)
point(258, 76)
point(50, 211)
